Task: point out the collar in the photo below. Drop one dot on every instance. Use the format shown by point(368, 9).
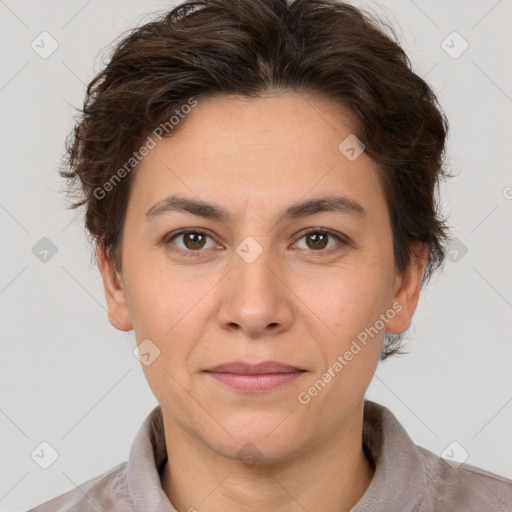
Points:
point(400, 474)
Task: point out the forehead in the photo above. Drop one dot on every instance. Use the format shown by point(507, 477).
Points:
point(240, 152)
point(292, 121)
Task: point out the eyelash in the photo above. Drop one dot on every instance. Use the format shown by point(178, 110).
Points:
point(320, 253)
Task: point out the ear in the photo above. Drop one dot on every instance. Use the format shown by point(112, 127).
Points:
point(118, 313)
point(407, 290)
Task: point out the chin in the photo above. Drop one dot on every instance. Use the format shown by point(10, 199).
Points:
point(256, 442)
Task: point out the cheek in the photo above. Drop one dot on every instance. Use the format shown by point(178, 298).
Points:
point(350, 306)
point(349, 356)
point(168, 312)
point(160, 300)
point(352, 299)
point(170, 309)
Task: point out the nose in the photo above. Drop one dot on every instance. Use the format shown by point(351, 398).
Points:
point(255, 297)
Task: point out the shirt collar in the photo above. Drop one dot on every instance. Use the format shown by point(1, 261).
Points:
point(147, 458)
point(399, 477)
point(400, 474)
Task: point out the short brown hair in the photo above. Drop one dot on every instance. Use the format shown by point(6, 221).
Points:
point(251, 47)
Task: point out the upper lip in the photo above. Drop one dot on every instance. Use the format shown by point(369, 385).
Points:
point(243, 368)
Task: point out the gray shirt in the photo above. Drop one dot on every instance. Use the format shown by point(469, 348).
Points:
point(407, 477)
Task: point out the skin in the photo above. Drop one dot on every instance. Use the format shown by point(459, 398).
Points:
point(255, 157)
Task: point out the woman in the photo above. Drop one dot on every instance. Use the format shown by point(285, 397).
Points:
point(259, 178)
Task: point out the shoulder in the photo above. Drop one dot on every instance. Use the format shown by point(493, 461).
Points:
point(462, 487)
point(108, 491)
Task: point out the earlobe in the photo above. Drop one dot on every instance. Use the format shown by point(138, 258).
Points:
point(118, 313)
point(407, 292)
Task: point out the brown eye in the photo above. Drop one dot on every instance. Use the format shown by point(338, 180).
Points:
point(189, 242)
point(193, 240)
point(317, 240)
point(321, 241)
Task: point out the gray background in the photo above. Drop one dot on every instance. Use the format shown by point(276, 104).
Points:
point(67, 377)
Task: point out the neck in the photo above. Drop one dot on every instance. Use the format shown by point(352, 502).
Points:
point(331, 476)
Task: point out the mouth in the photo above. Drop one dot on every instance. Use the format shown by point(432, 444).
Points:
point(254, 378)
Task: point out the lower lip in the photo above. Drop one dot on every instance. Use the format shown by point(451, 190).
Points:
point(255, 383)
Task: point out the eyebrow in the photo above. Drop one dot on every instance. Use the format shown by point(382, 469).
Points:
point(330, 203)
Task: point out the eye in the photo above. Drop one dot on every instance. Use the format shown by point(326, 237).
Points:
point(193, 240)
point(317, 239)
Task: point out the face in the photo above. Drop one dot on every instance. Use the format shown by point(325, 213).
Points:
point(253, 277)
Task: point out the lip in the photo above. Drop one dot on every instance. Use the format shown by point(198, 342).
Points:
point(264, 376)
point(243, 368)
